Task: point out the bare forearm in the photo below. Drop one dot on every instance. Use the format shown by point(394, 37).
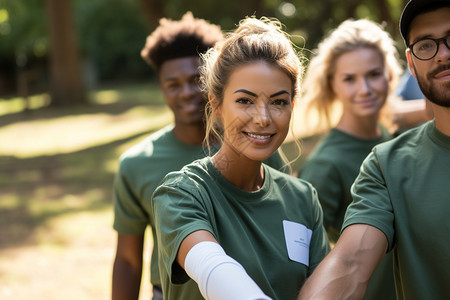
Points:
point(346, 270)
point(409, 113)
point(126, 281)
point(342, 282)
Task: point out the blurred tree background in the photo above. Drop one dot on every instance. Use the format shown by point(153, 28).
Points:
point(75, 45)
point(74, 95)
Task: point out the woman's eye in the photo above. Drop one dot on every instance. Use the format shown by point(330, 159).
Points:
point(349, 79)
point(375, 74)
point(244, 101)
point(280, 102)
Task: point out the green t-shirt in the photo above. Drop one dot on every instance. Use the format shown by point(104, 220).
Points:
point(331, 169)
point(403, 189)
point(141, 169)
point(248, 225)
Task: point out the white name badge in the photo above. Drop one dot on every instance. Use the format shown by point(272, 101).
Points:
point(298, 238)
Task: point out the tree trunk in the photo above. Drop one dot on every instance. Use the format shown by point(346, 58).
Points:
point(66, 82)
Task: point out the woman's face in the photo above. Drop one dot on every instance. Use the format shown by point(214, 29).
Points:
point(256, 110)
point(361, 82)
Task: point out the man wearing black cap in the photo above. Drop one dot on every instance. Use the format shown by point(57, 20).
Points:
point(401, 198)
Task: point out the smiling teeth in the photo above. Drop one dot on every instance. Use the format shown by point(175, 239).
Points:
point(259, 137)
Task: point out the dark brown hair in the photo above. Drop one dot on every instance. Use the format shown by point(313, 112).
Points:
point(175, 39)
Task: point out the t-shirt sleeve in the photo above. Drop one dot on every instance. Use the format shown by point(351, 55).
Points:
point(319, 245)
point(325, 178)
point(179, 209)
point(129, 215)
point(371, 202)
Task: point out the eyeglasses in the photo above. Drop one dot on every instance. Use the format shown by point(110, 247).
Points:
point(428, 48)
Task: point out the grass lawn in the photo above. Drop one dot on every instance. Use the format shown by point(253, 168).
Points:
point(56, 173)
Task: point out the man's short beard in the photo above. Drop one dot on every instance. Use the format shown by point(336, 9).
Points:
point(431, 92)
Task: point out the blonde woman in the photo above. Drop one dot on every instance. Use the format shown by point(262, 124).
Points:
point(356, 66)
point(229, 226)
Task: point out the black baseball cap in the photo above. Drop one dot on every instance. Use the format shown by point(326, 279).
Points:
point(414, 8)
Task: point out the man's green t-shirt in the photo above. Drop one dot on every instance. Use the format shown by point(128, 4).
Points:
point(403, 189)
point(141, 169)
point(248, 225)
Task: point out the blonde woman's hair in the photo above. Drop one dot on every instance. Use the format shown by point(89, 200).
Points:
point(318, 97)
point(254, 40)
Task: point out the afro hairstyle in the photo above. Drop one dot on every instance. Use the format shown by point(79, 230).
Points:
point(176, 39)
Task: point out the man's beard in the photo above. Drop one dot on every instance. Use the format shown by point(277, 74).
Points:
point(439, 95)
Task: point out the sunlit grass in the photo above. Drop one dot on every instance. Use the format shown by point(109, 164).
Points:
point(73, 132)
point(71, 257)
point(18, 104)
point(9, 201)
point(106, 97)
point(54, 162)
point(56, 235)
point(143, 93)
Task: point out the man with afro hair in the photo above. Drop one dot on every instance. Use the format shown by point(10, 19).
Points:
point(173, 49)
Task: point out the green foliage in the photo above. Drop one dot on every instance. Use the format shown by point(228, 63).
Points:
point(112, 34)
point(22, 28)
